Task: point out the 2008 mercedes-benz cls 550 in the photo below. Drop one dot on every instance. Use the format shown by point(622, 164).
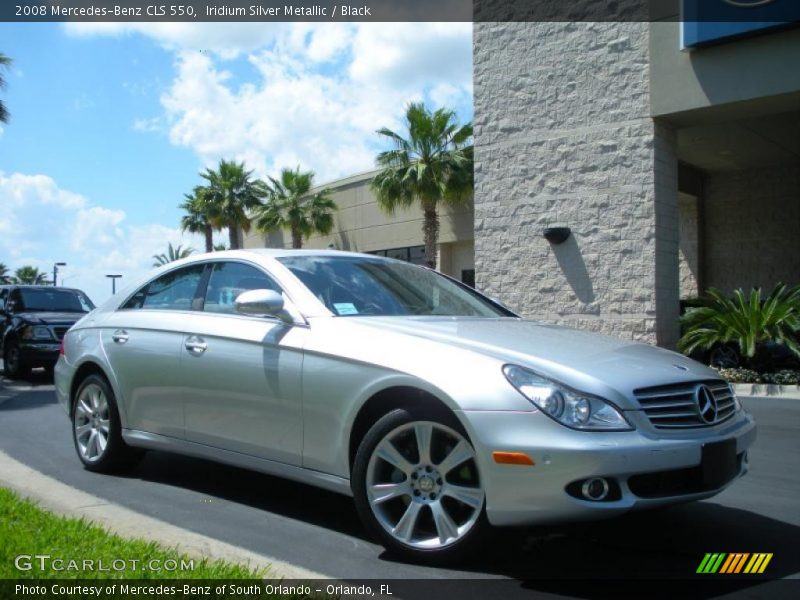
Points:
point(438, 409)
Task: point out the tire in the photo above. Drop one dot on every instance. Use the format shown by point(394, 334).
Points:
point(13, 365)
point(416, 502)
point(96, 429)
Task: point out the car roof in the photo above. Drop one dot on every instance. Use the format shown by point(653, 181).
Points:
point(28, 286)
point(281, 252)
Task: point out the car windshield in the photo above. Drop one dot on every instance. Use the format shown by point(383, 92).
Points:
point(50, 300)
point(351, 286)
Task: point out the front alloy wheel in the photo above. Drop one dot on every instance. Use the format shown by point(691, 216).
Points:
point(418, 482)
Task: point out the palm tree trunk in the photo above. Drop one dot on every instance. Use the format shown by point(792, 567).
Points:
point(430, 230)
point(233, 237)
point(209, 238)
point(297, 237)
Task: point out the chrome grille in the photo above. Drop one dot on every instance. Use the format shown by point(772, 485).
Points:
point(675, 407)
point(60, 331)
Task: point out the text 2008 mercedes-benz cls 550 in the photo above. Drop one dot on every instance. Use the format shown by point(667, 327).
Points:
point(438, 409)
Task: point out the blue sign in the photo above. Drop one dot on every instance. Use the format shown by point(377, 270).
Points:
point(707, 22)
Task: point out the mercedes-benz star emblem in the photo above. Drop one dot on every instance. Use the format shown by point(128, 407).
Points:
point(706, 403)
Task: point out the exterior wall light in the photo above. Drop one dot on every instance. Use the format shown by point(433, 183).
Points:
point(557, 235)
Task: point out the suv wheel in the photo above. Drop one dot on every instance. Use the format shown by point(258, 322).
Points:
point(13, 365)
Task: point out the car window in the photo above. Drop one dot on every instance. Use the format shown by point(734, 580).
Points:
point(351, 286)
point(173, 291)
point(228, 280)
point(3, 294)
point(44, 299)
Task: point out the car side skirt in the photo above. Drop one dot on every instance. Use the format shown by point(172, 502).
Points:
point(152, 441)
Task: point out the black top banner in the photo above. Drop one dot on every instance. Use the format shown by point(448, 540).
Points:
point(770, 11)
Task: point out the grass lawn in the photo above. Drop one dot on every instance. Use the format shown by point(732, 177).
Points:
point(26, 529)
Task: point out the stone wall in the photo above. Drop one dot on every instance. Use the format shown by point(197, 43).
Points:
point(563, 136)
point(752, 228)
point(689, 259)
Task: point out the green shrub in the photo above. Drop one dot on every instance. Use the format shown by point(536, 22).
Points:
point(739, 375)
point(782, 377)
point(745, 321)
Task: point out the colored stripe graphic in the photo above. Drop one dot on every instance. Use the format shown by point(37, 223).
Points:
point(727, 564)
point(733, 563)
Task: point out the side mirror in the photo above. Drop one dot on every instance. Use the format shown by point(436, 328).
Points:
point(11, 306)
point(262, 303)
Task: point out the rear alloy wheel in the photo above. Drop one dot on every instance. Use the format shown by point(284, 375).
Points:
point(96, 428)
point(417, 487)
point(13, 365)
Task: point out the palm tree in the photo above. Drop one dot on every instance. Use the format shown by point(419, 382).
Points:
point(747, 322)
point(5, 63)
point(5, 278)
point(197, 218)
point(230, 193)
point(171, 255)
point(28, 275)
point(433, 166)
point(220, 247)
point(291, 204)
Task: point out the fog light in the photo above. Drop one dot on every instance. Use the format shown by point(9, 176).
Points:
point(595, 489)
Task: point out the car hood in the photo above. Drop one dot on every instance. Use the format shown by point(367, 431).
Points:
point(50, 318)
point(588, 361)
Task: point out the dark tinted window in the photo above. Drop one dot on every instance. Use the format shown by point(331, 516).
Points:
point(351, 286)
point(53, 300)
point(228, 280)
point(173, 291)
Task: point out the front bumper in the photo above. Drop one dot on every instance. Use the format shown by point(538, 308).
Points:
point(39, 354)
point(520, 495)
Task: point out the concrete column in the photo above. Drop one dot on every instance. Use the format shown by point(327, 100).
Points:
point(563, 136)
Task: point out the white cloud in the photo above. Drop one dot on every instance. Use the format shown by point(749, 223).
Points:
point(298, 112)
point(314, 93)
point(152, 125)
point(19, 189)
point(42, 223)
point(225, 39)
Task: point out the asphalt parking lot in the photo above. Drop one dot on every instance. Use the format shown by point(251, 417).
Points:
point(320, 531)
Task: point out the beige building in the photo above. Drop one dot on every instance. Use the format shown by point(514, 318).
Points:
point(361, 226)
point(670, 150)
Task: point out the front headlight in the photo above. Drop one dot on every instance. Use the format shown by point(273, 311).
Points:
point(36, 332)
point(568, 407)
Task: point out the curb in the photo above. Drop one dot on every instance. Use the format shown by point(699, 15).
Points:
point(767, 390)
point(65, 500)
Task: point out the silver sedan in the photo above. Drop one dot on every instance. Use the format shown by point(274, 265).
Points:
point(438, 409)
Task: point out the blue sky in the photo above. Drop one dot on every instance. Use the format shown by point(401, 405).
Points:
point(110, 123)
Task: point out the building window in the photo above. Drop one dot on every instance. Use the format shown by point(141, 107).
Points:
point(413, 254)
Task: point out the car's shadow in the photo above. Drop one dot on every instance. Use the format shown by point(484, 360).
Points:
point(666, 544)
point(26, 393)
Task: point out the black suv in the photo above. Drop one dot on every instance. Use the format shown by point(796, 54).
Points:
point(33, 321)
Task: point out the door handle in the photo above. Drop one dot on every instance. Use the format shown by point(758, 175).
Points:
point(195, 345)
point(120, 336)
